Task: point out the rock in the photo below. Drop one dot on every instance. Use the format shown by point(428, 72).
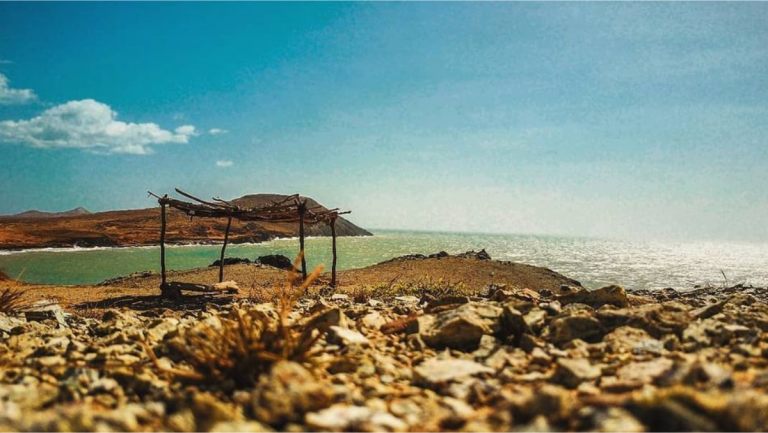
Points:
point(286, 393)
point(610, 295)
point(346, 337)
point(44, 310)
point(710, 374)
point(341, 417)
point(231, 261)
point(373, 320)
point(340, 297)
point(644, 372)
point(239, 427)
point(160, 327)
point(615, 419)
point(553, 401)
point(572, 372)
point(657, 320)
point(438, 372)
point(626, 339)
point(538, 424)
point(513, 324)
point(9, 322)
point(276, 261)
point(460, 328)
point(540, 357)
point(708, 311)
point(572, 325)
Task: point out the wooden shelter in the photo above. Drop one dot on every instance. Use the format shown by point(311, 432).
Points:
point(292, 209)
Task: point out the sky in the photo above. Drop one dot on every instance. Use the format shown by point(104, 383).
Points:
point(620, 120)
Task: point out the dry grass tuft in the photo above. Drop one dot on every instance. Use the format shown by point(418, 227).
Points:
point(248, 341)
point(4, 276)
point(12, 301)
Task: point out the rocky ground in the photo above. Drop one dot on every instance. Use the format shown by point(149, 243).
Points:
point(501, 358)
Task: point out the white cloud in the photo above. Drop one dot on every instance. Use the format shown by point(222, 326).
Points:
point(217, 131)
point(14, 96)
point(225, 163)
point(5, 62)
point(90, 125)
point(186, 130)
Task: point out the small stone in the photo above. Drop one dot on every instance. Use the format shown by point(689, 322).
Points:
point(645, 372)
point(539, 357)
point(51, 361)
point(438, 372)
point(239, 427)
point(373, 320)
point(341, 417)
point(461, 328)
point(286, 393)
point(616, 419)
point(573, 325)
point(346, 337)
point(626, 339)
point(572, 372)
point(538, 424)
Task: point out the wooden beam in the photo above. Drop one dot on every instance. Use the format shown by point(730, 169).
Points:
point(176, 287)
point(224, 248)
point(333, 240)
point(162, 239)
point(302, 209)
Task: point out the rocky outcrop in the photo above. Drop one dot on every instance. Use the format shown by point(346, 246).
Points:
point(503, 361)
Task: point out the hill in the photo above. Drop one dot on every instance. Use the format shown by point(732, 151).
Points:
point(40, 214)
point(136, 227)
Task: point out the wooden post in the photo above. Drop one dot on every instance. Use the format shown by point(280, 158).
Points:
point(223, 248)
point(333, 240)
point(162, 240)
point(302, 208)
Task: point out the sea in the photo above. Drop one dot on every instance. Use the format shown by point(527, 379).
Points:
point(593, 262)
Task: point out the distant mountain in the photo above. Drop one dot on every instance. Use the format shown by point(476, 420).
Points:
point(38, 214)
point(78, 227)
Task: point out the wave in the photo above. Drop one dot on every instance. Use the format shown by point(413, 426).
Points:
point(76, 248)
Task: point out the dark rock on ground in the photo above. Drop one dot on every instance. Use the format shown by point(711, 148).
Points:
point(276, 261)
point(231, 261)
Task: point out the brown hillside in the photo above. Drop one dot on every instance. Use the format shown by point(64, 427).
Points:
point(142, 227)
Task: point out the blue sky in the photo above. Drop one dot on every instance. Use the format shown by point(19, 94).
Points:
point(644, 120)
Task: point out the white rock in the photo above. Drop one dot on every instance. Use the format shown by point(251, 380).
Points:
point(346, 337)
point(240, 426)
point(441, 371)
point(341, 417)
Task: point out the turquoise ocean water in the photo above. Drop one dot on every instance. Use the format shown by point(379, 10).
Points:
point(594, 262)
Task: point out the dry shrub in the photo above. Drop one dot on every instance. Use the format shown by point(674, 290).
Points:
point(248, 341)
point(12, 301)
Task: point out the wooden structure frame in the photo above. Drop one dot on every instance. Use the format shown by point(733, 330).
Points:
point(292, 209)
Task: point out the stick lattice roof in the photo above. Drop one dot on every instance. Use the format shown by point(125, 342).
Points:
point(288, 210)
